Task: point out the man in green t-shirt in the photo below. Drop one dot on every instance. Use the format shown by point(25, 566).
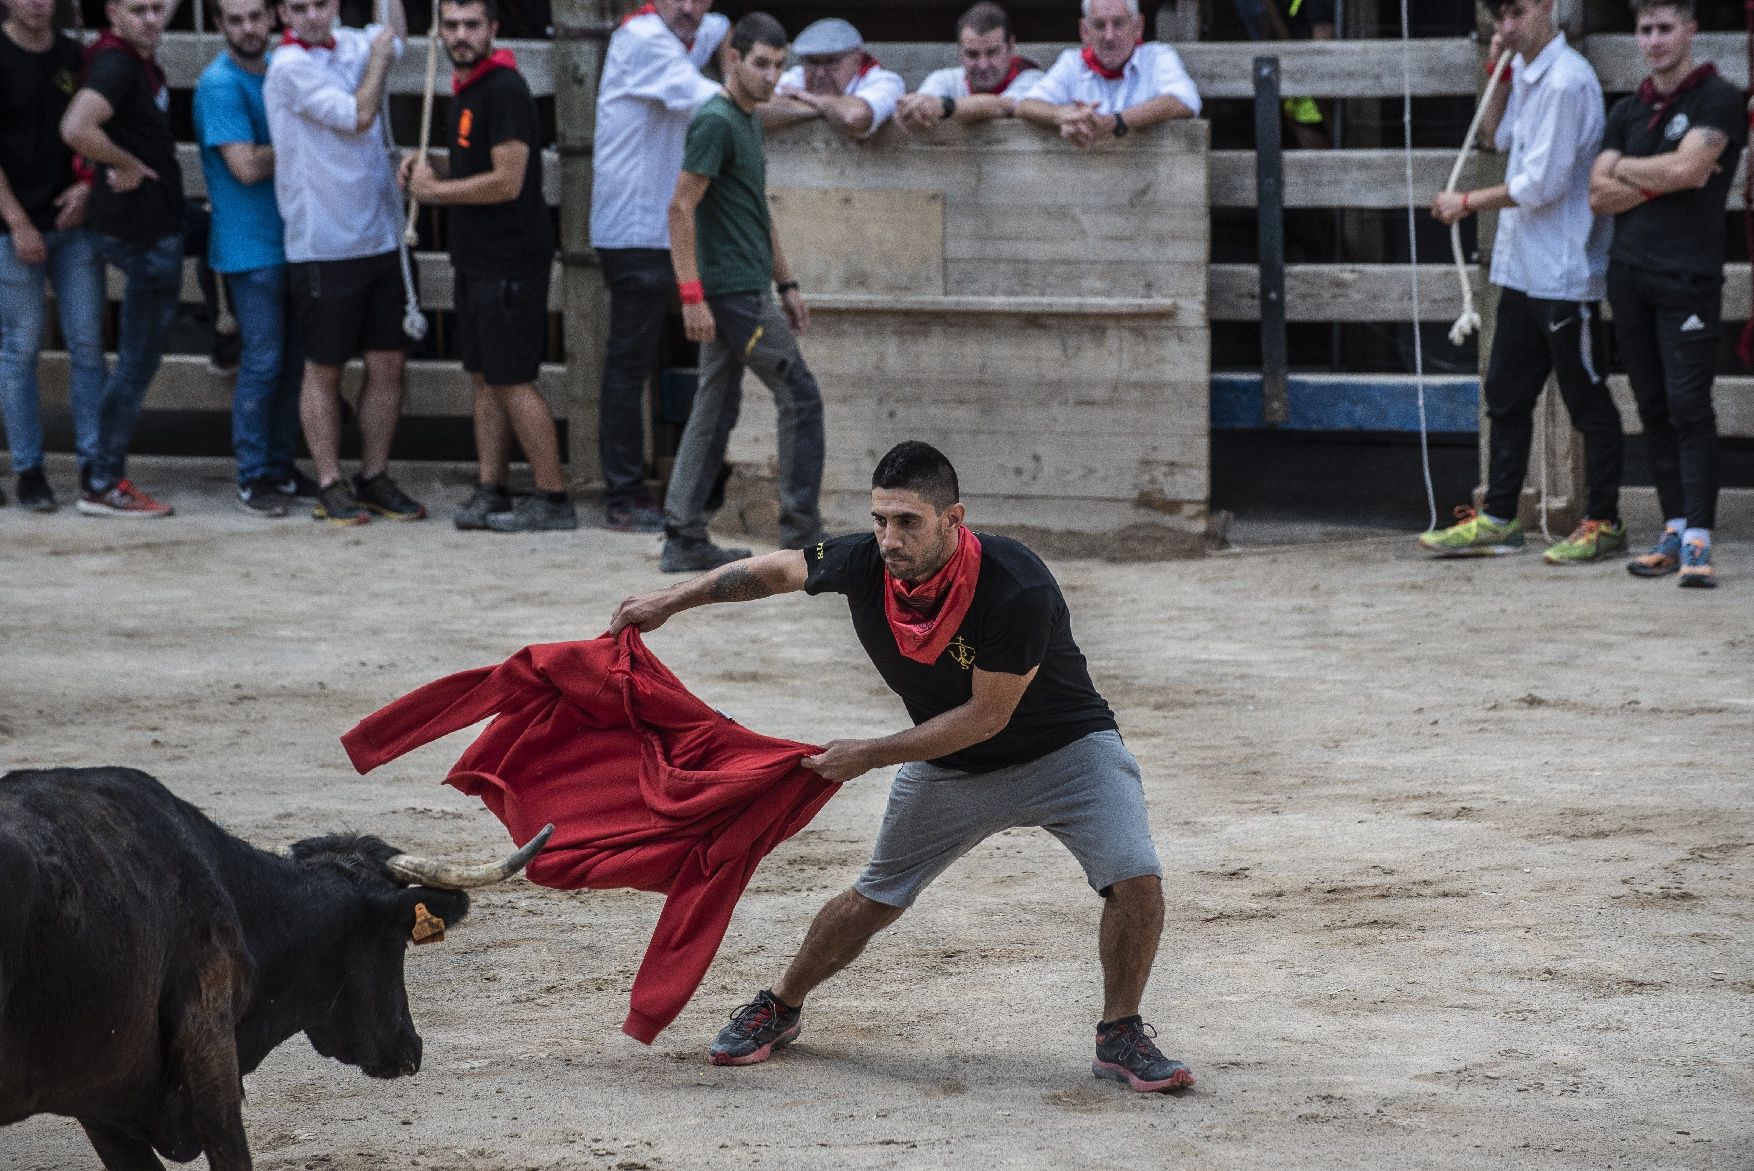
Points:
point(726, 252)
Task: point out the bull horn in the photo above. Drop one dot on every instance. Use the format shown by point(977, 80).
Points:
point(415, 869)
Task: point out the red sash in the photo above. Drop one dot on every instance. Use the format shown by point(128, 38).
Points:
point(1648, 95)
point(498, 59)
point(925, 616)
point(1018, 65)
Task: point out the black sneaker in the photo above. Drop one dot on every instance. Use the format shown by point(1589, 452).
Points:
point(633, 516)
point(755, 1031)
point(535, 514)
point(381, 495)
point(300, 486)
point(696, 555)
point(34, 492)
point(483, 502)
point(262, 497)
point(336, 505)
point(1126, 1053)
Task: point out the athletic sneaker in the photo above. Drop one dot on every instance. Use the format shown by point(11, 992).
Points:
point(34, 492)
point(381, 495)
point(1696, 566)
point(1664, 557)
point(535, 514)
point(482, 503)
point(337, 505)
point(696, 555)
point(755, 1031)
point(1125, 1052)
point(1592, 539)
point(300, 486)
point(633, 516)
point(1474, 535)
point(124, 500)
point(263, 497)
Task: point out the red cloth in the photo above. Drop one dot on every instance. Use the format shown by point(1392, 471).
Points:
point(924, 616)
point(108, 40)
point(1018, 65)
point(498, 59)
point(1101, 70)
point(647, 788)
point(1648, 94)
point(291, 38)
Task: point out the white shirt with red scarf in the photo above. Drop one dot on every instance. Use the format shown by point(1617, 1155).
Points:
point(1153, 71)
point(953, 82)
point(876, 86)
point(652, 85)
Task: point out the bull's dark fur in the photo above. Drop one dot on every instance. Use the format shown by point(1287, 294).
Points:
point(148, 960)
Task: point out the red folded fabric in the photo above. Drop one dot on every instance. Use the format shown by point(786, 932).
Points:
point(647, 787)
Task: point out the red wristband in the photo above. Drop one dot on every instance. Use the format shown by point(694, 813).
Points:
point(1465, 206)
point(83, 172)
point(692, 293)
point(1502, 73)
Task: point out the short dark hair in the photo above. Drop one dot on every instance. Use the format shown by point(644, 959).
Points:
point(1683, 8)
point(757, 28)
point(984, 18)
point(489, 7)
point(918, 467)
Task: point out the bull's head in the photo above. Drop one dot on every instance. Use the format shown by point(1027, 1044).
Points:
point(401, 899)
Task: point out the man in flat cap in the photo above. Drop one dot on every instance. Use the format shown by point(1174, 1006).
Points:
point(835, 80)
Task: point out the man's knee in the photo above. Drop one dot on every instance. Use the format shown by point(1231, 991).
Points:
point(1143, 891)
point(867, 913)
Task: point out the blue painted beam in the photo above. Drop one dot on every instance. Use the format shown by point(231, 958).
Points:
point(1351, 402)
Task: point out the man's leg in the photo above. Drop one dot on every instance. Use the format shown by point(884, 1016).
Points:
point(1574, 338)
point(256, 300)
point(319, 413)
point(701, 454)
point(492, 439)
point(1515, 375)
point(78, 275)
point(153, 274)
point(1635, 329)
point(1132, 924)
point(21, 340)
point(533, 424)
point(642, 286)
point(1689, 334)
point(775, 359)
point(380, 409)
point(837, 936)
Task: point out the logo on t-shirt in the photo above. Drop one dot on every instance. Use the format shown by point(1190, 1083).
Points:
point(961, 652)
point(465, 127)
point(1676, 128)
point(65, 81)
point(162, 99)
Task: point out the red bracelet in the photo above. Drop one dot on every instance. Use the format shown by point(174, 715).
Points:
point(1465, 206)
point(83, 172)
point(692, 293)
point(1502, 73)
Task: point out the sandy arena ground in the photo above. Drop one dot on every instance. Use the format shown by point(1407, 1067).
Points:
point(1459, 855)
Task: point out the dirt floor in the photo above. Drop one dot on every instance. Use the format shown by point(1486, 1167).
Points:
point(1459, 854)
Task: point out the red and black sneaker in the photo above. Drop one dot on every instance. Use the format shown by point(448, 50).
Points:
point(123, 500)
point(755, 1031)
point(1125, 1052)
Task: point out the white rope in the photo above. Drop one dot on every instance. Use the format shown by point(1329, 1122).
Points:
point(413, 320)
point(1413, 257)
point(1469, 322)
point(411, 234)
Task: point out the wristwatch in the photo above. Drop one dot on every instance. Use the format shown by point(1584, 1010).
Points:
point(1120, 125)
point(949, 108)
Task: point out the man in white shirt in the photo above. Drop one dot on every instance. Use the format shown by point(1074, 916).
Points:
point(836, 81)
point(985, 86)
point(1551, 261)
point(1115, 84)
point(652, 85)
point(336, 187)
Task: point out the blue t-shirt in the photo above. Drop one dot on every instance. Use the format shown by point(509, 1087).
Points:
point(247, 229)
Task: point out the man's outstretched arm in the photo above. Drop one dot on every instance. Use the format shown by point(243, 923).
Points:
point(990, 707)
point(780, 572)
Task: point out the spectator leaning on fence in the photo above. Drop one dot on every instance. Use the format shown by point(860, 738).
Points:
point(502, 250)
point(1669, 154)
point(987, 83)
point(652, 84)
point(1115, 84)
point(246, 248)
point(728, 260)
point(119, 120)
point(343, 213)
point(43, 240)
point(1550, 262)
point(835, 80)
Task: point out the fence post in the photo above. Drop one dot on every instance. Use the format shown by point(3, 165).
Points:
point(1270, 204)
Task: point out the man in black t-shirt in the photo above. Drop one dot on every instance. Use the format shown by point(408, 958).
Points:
point(502, 246)
point(1668, 154)
point(120, 121)
point(974, 636)
point(43, 240)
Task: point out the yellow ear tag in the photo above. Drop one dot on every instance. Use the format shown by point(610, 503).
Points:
point(428, 927)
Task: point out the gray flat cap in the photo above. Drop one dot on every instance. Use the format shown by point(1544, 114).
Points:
point(827, 38)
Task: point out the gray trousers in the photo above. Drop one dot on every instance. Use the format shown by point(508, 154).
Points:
point(751, 333)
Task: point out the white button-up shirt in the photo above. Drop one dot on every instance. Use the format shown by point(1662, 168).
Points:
point(651, 87)
point(878, 87)
point(1550, 244)
point(953, 83)
point(1153, 71)
point(335, 185)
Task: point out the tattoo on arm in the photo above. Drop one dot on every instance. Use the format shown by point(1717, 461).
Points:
point(736, 584)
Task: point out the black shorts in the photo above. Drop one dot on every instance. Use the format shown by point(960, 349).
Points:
point(502, 326)
point(349, 307)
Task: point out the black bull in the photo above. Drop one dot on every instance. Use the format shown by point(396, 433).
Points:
point(148, 960)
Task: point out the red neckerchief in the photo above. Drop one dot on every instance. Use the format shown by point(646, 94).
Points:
point(651, 10)
point(1103, 71)
point(291, 38)
point(866, 64)
point(926, 615)
point(498, 59)
point(108, 40)
point(1018, 65)
point(1648, 95)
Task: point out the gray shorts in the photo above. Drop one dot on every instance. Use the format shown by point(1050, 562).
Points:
point(1088, 794)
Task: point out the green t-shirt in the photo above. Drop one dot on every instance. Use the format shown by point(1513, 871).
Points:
point(731, 243)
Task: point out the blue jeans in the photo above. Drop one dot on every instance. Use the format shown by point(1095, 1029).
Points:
point(78, 277)
point(153, 275)
point(264, 403)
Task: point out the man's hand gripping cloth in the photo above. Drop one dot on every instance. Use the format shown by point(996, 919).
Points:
point(647, 788)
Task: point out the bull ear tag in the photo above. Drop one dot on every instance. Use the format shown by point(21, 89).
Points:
point(428, 927)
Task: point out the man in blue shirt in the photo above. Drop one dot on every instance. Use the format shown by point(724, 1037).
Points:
point(246, 248)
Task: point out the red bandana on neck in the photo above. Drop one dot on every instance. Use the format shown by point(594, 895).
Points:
point(1648, 95)
point(1103, 71)
point(291, 38)
point(652, 10)
point(498, 59)
point(1018, 65)
point(925, 616)
point(109, 40)
point(866, 64)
